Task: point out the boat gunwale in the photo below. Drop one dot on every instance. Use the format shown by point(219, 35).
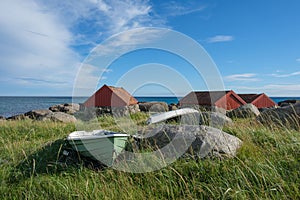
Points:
point(89, 137)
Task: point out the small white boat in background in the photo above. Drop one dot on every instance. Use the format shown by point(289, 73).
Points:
point(100, 145)
point(171, 114)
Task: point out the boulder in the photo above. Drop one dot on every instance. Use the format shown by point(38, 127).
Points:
point(69, 108)
point(60, 117)
point(286, 116)
point(214, 119)
point(189, 140)
point(153, 107)
point(244, 111)
point(37, 114)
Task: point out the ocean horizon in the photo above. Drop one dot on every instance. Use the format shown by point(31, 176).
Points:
point(14, 105)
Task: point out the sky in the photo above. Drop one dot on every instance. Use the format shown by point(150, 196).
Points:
point(62, 48)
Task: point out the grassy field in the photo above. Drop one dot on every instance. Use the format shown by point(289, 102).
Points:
point(266, 167)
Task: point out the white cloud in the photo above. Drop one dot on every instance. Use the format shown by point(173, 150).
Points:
point(298, 59)
point(286, 75)
point(38, 37)
point(241, 77)
point(220, 38)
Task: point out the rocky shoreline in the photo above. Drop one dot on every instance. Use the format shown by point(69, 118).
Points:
point(287, 112)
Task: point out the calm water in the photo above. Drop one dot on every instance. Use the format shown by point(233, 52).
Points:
point(16, 105)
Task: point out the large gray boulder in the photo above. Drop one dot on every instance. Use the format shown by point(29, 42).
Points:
point(214, 119)
point(37, 114)
point(244, 111)
point(153, 107)
point(287, 116)
point(69, 108)
point(60, 117)
point(189, 140)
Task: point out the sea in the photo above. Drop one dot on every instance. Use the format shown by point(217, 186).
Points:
point(10, 106)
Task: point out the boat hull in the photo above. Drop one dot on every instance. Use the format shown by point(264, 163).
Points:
point(100, 147)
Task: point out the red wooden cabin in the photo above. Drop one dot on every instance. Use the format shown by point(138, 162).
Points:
point(259, 100)
point(109, 96)
point(223, 99)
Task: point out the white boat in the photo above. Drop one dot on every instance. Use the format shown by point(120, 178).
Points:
point(171, 114)
point(100, 145)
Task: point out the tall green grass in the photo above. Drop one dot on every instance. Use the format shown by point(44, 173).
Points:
point(266, 167)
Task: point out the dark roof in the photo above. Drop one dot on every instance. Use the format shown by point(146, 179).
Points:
point(249, 97)
point(204, 97)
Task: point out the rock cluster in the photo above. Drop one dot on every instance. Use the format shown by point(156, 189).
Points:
point(286, 116)
point(69, 108)
point(288, 102)
point(58, 113)
point(44, 115)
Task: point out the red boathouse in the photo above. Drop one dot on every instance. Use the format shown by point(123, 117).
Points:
point(109, 96)
point(222, 99)
point(259, 100)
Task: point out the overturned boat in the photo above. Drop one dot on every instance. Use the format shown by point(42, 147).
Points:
point(100, 145)
point(169, 115)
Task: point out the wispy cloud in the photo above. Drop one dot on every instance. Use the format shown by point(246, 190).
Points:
point(128, 40)
point(220, 38)
point(271, 89)
point(241, 77)
point(298, 59)
point(286, 75)
point(178, 8)
point(30, 80)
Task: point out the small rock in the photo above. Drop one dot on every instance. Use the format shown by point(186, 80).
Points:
point(244, 111)
point(172, 107)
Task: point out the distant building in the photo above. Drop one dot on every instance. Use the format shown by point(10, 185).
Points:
point(259, 100)
point(222, 99)
point(109, 96)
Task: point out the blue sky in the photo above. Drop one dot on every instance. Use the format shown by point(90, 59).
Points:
point(44, 45)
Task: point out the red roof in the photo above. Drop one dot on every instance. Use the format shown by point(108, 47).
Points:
point(259, 100)
point(110, 96)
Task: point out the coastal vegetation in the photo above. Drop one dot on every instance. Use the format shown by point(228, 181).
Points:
point(266, 166)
